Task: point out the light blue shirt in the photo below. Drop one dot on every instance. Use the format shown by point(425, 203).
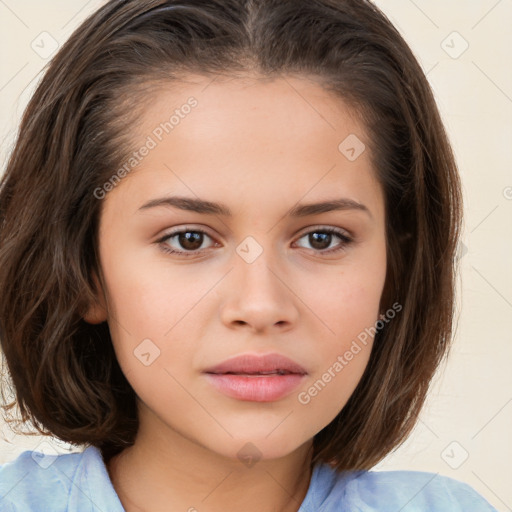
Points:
point(79, 482)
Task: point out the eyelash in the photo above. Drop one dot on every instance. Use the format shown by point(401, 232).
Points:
point(345, 241)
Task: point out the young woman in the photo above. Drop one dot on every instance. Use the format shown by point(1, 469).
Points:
point(228, 233)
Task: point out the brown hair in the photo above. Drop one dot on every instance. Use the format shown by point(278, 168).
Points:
point(73, 136)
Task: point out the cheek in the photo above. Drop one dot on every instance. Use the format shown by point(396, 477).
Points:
point(144, 306)
point(149, 319)
point(348, 305)
point(148, 298)
point(351, 317)
point(345, 305)
point(343, 356)
point(346, 300)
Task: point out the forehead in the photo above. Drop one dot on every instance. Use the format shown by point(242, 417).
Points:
point(272, 139)
point(298, 103)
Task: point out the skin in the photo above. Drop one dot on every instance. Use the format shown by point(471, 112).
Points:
point(260, 147)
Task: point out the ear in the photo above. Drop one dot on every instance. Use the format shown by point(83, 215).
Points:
point(96, 313)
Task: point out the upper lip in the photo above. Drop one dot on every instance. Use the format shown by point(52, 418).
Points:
point(254, 364)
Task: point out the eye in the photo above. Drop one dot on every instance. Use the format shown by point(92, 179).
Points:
point(189, 242)
point(320, 239)
point(185, 242)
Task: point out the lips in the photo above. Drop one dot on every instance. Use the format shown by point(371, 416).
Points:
point(256, 378)
point(248, 364)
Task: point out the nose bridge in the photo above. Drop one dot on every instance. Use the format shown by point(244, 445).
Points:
point(259, 298)
point(257, 265)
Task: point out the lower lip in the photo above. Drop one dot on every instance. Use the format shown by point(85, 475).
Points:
point(255, 388)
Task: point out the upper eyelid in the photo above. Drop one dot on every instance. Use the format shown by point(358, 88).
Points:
point(323, 227)
point(303, 231)
point(184, 229)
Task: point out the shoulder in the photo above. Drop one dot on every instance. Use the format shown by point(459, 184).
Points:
point(34, 478)
point(389, 491)
point(35, 481)
point(418, 491)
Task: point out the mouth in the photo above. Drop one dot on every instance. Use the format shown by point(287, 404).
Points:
point(256, 378)
point(255, 374)
point(253, 364)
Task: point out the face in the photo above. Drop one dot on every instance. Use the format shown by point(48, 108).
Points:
point(210, 249)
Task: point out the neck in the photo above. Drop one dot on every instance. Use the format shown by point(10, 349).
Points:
point(175, 473)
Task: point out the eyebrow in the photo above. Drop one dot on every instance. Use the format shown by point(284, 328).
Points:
point(211, 208)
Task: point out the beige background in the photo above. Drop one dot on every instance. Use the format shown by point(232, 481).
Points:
point(465, 429)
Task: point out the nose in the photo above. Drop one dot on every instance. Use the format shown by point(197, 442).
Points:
point(260, 297)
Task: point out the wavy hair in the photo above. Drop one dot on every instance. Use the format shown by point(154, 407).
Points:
point(65, 377)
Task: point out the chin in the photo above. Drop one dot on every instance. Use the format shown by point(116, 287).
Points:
point(250, 449)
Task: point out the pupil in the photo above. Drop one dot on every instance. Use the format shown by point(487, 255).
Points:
point(324, 238)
